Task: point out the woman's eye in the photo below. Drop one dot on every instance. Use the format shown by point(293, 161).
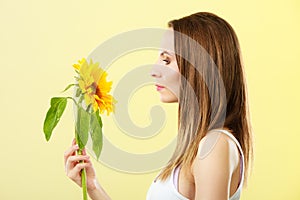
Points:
point(167, 61)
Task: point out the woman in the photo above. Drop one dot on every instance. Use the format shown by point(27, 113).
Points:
point(204, 74)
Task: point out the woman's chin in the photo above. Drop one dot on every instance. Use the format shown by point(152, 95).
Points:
point(164, 99)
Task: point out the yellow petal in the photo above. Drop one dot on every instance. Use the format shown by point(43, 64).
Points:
point(76, 66)
point(88, 99)
point(95, 106)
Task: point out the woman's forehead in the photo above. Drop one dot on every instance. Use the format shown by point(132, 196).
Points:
point(167, 42)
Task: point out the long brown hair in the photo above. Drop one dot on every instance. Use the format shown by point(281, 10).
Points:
point(196, 116)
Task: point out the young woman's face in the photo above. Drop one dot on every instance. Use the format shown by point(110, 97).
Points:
point(165, 71)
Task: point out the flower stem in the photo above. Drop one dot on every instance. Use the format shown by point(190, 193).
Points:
point(83, 178)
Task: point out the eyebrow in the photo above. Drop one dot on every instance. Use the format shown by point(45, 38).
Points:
point(165, 52)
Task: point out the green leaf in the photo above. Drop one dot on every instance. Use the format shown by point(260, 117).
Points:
point(82, 127)
point(58, 105)
point(68, 87)
point(96, 133)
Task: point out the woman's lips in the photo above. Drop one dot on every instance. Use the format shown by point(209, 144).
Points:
point(159, 87)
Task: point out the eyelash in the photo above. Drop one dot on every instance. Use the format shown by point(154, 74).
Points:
point(167, 61)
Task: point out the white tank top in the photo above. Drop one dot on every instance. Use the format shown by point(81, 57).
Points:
point(167, 190)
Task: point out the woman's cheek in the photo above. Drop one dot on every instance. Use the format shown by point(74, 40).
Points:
point(172, 79)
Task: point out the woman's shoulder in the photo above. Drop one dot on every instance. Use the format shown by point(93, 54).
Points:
point(219, 147)
point(217, 159)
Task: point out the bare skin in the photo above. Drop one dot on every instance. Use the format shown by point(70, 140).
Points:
point(73, 168)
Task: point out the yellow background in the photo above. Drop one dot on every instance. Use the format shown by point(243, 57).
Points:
point(40, 40)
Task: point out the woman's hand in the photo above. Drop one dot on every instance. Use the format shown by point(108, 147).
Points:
point(73, 166)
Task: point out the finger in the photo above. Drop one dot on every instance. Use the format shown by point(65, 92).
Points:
point(74, 141)
point(70, 152)
point(74, 160)
point(84, 151)
point(78, 158)
point(80, 166)
point(76, 170)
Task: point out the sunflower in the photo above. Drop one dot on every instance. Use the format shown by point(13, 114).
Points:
point(94, 86)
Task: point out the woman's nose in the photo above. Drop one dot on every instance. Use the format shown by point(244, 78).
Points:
point(155, 72)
